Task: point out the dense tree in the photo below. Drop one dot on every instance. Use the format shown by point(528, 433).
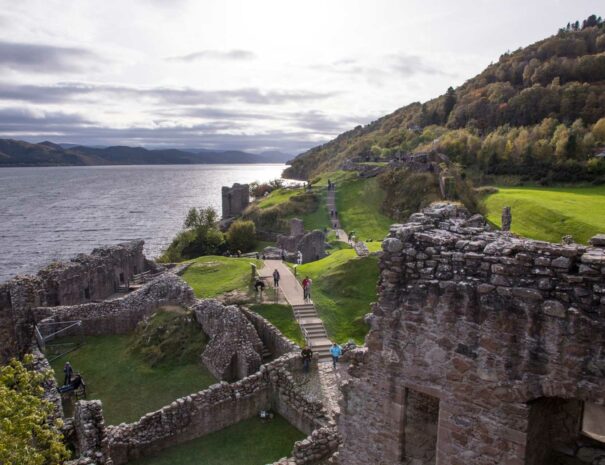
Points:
point(241, 236)
point(27, 434)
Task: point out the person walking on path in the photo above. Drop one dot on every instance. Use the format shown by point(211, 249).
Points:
point(276, 278)
point(306, 284)
point(307, 355)
point(335, 352)
point(68, 371)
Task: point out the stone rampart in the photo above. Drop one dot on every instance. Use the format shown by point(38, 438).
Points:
point(479, 338)
point(120, 316)
point(83, 279)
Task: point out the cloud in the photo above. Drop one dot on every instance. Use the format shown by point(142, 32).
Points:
point(169, 95)
point(20, 119)
point(224, 55)
point(411, 65)
point(44, 58)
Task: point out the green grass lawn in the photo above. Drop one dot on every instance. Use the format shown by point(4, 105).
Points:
point(249, 442)
point(344, 285)
point(212, 275)
point(551, 213)
point(319, 218)
point(127, 385)
point(283, 318)
point(278, 196)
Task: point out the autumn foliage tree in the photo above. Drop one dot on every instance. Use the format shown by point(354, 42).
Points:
point(28, 435)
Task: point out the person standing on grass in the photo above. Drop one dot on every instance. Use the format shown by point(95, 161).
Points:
point(276, 278)
point(68, 371)
point(307, 355)
point(306, 284)
point(299, 258)
point(335, 352)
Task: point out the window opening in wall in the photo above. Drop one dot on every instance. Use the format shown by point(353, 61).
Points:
point(593, 421)
point(87, 293)
point(121, 278)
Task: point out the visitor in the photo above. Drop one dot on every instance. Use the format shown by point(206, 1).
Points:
point(276, 278)
point(307, 355)
point(283, 255)
point(72, 385)
point(299, 258)
point(257, 255)
point(306, 284)
point(335, 352)
point(68, 371)
point(259, 285)
point(335, 213)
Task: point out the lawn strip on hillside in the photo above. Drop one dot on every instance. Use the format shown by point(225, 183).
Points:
point(212, 275)
point(550, 213)
point(344, 285)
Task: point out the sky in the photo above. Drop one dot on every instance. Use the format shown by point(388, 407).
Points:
point(249, 75)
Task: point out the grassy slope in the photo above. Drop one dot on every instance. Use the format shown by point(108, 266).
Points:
point(249, 442)
point(127, 386)
point(344, 285)
point(212, 275)
point(550, 213)
point(278, 196)
point(283, 318)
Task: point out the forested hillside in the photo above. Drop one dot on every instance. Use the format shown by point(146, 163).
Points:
point(537, 113)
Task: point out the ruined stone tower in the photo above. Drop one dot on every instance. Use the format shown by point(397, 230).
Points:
point(235, 199)
point(484, 349)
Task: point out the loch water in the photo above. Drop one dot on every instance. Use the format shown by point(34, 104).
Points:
point(54, 213)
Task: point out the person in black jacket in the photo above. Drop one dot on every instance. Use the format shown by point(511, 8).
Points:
point(307, 356)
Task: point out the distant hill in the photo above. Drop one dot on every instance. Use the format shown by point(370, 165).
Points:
point(20, 153)
point(537, 113)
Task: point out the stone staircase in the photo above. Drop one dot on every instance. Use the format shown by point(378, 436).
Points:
point(313, 329)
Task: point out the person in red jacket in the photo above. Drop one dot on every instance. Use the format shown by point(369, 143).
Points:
point(306, 284)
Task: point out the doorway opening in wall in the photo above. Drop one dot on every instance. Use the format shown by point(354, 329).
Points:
point(58, 338)
point(421, 418)
point(565, 432)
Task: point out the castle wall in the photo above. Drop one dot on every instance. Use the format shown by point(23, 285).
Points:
point(84, 279)
point(485, 324)
point(235, 199)
point(271, 337)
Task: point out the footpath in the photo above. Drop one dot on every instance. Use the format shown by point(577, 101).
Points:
point(341, 235)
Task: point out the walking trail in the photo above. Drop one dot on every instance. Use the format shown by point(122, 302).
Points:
point(341, 235)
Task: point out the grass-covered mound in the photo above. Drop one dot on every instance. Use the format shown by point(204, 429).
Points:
point(283, 318)
point(551, 213)
point(344, 285)
point(212, 275)
point(128, 385)
point(250, 442)
point(170, 336)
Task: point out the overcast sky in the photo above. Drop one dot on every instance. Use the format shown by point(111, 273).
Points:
point(250, 74)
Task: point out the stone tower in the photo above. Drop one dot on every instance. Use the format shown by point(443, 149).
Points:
point(235, 199)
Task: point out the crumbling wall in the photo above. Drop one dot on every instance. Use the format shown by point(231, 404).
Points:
point(120, 316)
point(234, 350)
point(92, 441)
point(486, 323)
point(215, 408)
point(83, 279)
point(270, 336)
point(235, 199)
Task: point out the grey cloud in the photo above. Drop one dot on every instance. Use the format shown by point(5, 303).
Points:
point(410, 65)
point(44, 58)
point(228, 55)
point(173, 96)
point(18, 119)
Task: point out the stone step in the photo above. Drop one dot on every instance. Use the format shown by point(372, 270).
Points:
point(317, 333)
point(303, 307)
point(312, 325)
point(306, 311)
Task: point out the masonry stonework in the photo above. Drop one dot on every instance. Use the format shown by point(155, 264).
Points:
point(235, 199)
point(479, 339)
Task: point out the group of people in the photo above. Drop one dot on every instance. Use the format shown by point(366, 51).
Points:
point(331, 185)
point(307, 355)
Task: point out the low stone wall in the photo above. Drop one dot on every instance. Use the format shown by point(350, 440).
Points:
point(271, 337)
point(120, 316)
point(218, 407)
point(51, 393)
point(189, 417)
point(319, 446)
point(92, 442)
point(234, 350)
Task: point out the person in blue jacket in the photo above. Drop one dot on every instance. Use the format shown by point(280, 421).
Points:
point(336, 352)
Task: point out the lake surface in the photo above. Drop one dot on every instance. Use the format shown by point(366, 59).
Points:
point(55, 213)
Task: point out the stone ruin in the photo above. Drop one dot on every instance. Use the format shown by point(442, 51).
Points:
point(239, 338)
point(235, 199)
point(84, 279)
point(484, 349)
point(312, 244)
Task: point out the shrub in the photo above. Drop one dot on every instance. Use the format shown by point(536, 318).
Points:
point(241, 236)
point(26, 435)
